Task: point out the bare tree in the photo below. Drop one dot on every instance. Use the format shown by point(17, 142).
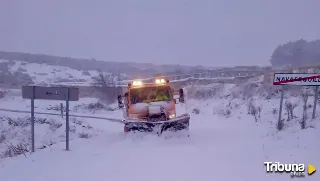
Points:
point(253, 110)
point(315, 102)
point(289, 106)
point(104, 80)
point(250, 105)
point(2, 94)
point(105, 84)
point(259, 109)
point(15, 150)
point(292, 109)
point(274, 110)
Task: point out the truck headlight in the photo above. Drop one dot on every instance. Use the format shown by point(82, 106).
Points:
point(171, 116)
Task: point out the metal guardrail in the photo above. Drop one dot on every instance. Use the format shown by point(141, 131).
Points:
point(71, 115)
point(184, 116)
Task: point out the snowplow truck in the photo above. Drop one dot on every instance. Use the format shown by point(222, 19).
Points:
point(151, 107)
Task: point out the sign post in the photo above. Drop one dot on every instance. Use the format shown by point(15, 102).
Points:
point(32, 119)
point(67, 119)
point(50, 93)
point(281, 103)
point(300, 79)
point(315, 102)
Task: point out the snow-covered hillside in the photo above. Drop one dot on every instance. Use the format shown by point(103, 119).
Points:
point(226, 142)
point(49, 74)
point(43, 73)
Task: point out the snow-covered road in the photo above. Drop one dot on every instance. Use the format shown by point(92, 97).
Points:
point(217, 150)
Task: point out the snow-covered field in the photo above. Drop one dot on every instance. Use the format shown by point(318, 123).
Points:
point(226, 143)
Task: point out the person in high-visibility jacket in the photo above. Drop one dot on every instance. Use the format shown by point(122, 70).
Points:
point(162, 97)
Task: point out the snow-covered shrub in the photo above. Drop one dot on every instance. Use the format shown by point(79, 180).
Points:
point(57, 107)
point(304, 97)
point(248, 90)
point(15, 150)
point(20, 69)
point(16, 131)
point(2, 94)
point(50, 143)
point(289, 107)
point(259, 109)
point(86, 73)
point(244, 91)
point(268, 91)
point(274, 111)
point(84, 135)
point(95, 106)
point(76, 121)
point(280, 125)
point(73, 129)
point(204, 92)
point(254, 112)
point(2, 138)
point(196, 111)
point(17, 121)
point(227, 112)
point(77, 107)
point(249, 105)
point(253, 109)
point(224, 112)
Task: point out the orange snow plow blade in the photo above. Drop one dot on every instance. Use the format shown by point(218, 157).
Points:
point(175, 124)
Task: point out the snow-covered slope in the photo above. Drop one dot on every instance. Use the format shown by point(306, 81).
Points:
point(226, 143)
point(43, 73)
point(49, 73)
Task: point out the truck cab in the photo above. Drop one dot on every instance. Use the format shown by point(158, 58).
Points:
point(151, 103)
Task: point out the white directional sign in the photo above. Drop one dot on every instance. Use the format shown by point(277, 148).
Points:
point(301, 79)
point(50, 93)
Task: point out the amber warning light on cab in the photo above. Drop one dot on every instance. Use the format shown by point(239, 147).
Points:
point(160, 81)
point(137, 83)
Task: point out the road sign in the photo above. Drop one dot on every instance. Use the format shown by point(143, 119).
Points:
point(301, 79)
point(50, 93)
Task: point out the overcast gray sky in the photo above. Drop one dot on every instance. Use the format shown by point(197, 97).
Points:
point(206, 32)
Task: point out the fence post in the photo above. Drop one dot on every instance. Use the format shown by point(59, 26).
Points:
point(315, 102)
